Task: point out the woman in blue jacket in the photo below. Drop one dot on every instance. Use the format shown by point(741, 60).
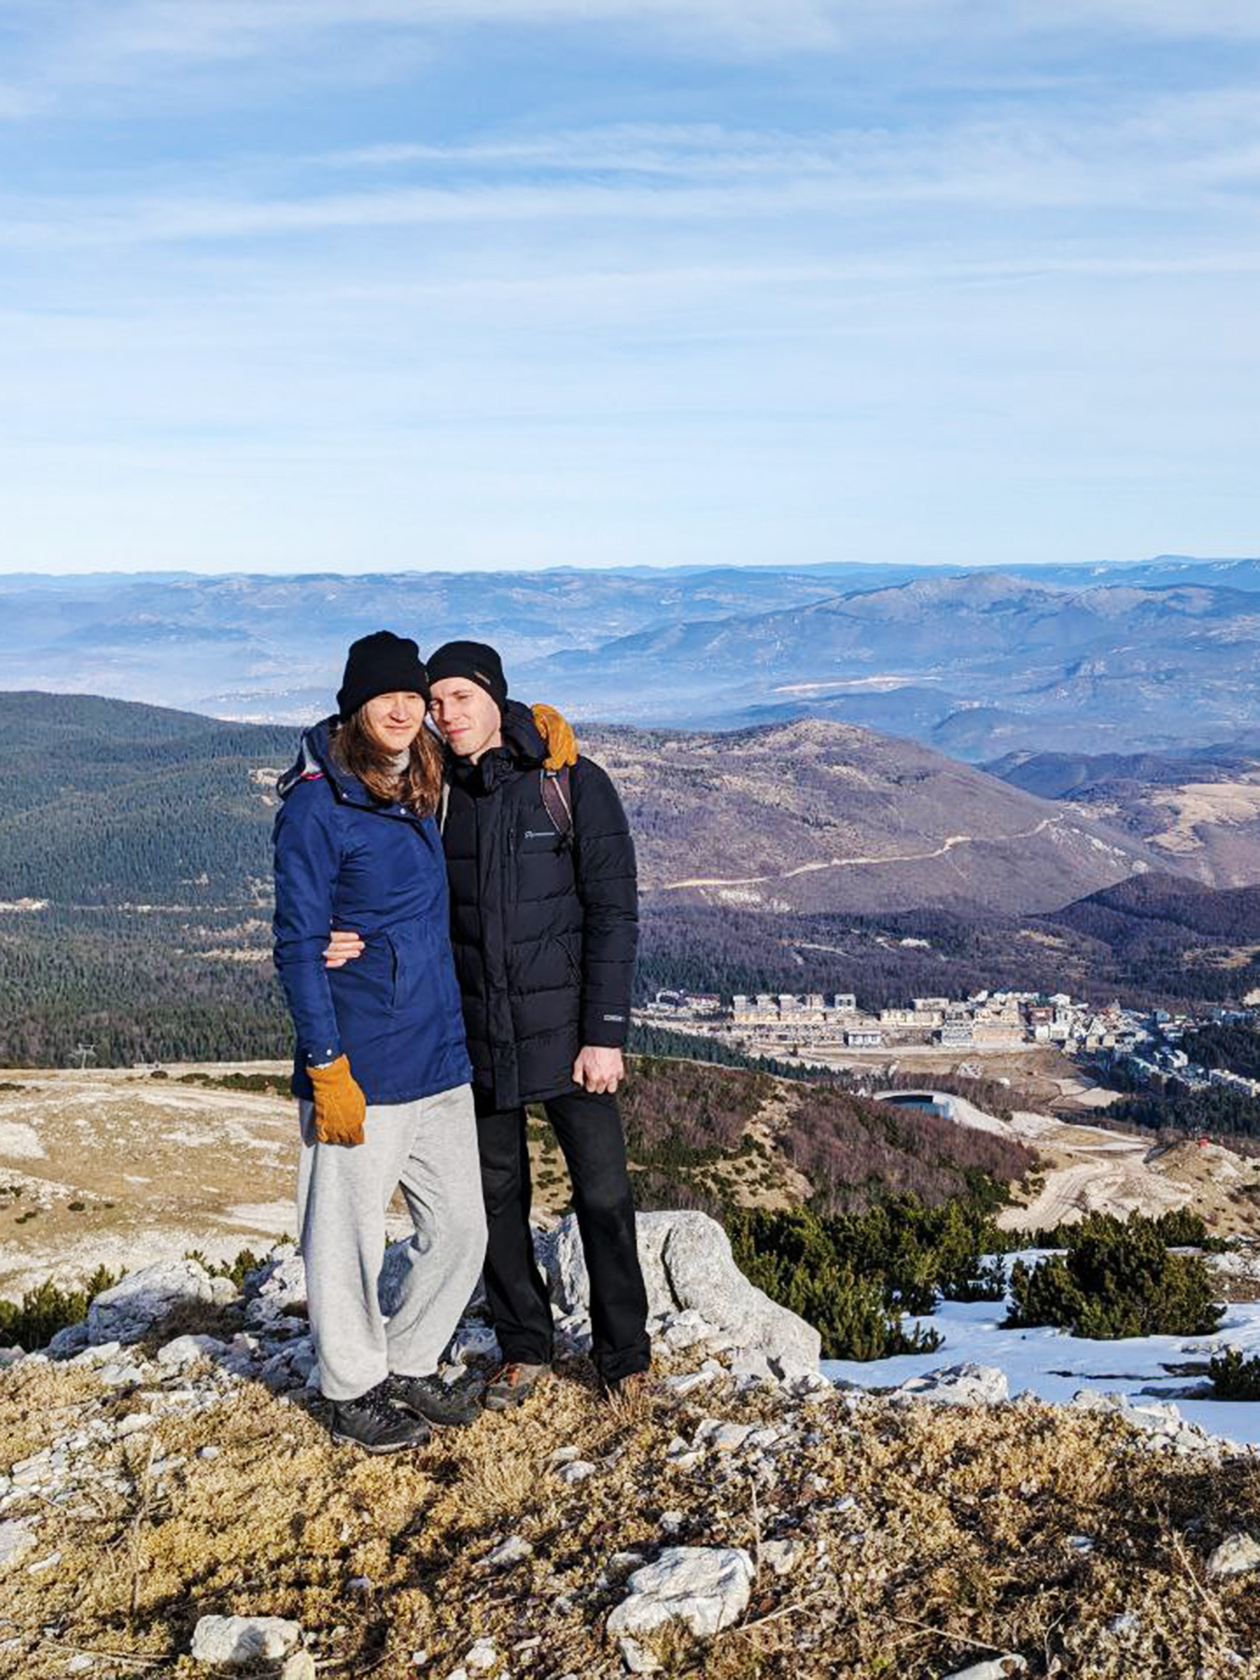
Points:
point(382, 1069)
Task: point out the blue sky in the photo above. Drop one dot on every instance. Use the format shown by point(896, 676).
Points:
point(376, 284)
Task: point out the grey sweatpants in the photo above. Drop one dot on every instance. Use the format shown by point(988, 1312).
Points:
point(428, 1149)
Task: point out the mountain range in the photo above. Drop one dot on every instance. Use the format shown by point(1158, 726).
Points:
point(1147, 657)
point(975, 665)
point(1198, 808)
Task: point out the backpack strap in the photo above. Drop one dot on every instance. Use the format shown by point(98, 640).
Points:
point(558, 800)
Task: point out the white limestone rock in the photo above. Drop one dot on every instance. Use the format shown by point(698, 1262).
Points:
point(142, 1299)
point(183, 1351)
point(958, 1385)
point(993, 1668)
point(1237, 1554)
point(237, 1640)
point(1159, 1421)
point(16, 1539)
point(66, 1343)
point(706, 1588)
point(508, 1553)
point(688, 1269)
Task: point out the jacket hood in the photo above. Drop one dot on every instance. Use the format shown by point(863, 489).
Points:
point(314, 759)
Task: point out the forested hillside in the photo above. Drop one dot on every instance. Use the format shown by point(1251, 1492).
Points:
point(135, 900)
point(108, 803)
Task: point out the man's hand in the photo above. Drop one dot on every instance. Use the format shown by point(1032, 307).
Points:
point(342, 947)
point(340, 1106)
point(599, 1069)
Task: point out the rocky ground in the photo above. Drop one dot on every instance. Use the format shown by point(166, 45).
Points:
point(166, 1467)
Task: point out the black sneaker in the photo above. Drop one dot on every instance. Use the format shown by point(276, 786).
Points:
point(372, 1421)
point(513, 1385)
point(435, 1401)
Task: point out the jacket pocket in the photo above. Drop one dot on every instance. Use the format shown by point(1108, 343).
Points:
point(565, 942)
point(424, 971)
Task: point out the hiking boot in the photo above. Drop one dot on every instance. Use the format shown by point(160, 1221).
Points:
point(435, 1401)
point(512, 1386)
point(633, 1386)
point(372, 1421)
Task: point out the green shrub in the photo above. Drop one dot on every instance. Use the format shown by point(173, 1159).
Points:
point(48, 1308)
point(1235, 1377)
point(796, 1259)
point(246, 1261)
point(1118, 1279)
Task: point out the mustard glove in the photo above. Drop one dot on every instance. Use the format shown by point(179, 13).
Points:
point(557, 732)
point(340, 1106)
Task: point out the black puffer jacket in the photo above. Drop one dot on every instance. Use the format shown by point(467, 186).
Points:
point(544, 928)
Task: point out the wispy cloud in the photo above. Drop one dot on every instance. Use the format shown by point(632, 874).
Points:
point(684, 278)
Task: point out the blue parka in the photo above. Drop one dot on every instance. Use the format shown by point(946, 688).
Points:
point(342, 859)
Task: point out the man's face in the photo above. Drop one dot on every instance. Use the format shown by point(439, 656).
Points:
point(467, 718)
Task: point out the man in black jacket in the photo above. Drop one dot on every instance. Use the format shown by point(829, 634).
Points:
point(544, 925)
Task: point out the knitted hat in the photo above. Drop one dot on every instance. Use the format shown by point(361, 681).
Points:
point(380, 664)
point(474, 660)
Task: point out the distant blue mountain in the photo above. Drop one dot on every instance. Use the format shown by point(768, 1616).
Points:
point(1097, 658)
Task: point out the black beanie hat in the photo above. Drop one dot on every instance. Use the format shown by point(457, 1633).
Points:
point(381, 663)
point(474, 660)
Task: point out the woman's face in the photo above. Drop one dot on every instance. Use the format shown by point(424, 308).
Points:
point(394, 720)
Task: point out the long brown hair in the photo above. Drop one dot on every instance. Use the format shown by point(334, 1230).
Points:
point(418, 787)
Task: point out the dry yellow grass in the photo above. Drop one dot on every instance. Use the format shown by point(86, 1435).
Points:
point(929, 1537)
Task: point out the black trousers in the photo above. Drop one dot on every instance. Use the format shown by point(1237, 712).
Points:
point(588, 1129)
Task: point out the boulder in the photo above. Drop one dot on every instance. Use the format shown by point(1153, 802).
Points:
point(687, 1266)
point(66, 1343)
point(142, 1299)
point(706, 1588)
point(237, 1640)
point(957, 1385)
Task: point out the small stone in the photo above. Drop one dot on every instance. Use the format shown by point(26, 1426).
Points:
point(722, 1437)
point(958, 1385)
point(998, 1668)
point(577, 1471)
point(80, 1663)
point(134, 1422)
point(299, 1666)
point(782, 1556)
point(1081, 1543)
point(620, 1562)
point(50, 1562)
point(689, 1381)
point(235, 1640)
point(511, 1552)
point(186, 1350)
point(210, 1451)
point(482, 1658)
point(1126, 1623)
point(706, 1588)
point(120, 1373)
point(669, 1522)
point(636, 1658)
point(563, 1455)
point(1238, 1554)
